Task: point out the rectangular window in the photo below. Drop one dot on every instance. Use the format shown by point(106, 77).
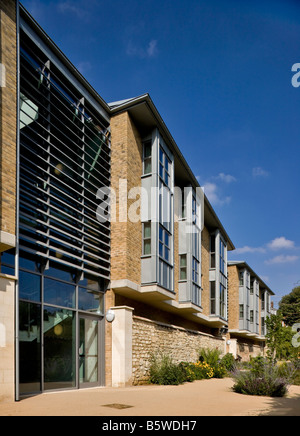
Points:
point(147, 239)
point(164, 167)
point(263, 301)
point(241, 311)
point(212, 251)
point(213, 298)
point(222, 257)
point(182, 267)
point(251, 285)
point(251, 315)
point(222, 301)
point(147, 162)
point(164, 244)
point(195, 211)
point(195, 271)
point(241, 276)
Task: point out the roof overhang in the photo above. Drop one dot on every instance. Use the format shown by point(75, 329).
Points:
point(146, 116)
point(241, 264)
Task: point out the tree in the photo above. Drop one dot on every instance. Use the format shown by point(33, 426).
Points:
point(279, 338)
point(289, 306)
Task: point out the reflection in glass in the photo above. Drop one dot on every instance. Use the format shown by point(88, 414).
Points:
point(59, 348)
point(29, 286)
point(88, 351)
point(90, 300)
point(58, 293)
point(30, 347)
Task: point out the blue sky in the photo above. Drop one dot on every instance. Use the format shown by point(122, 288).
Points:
point(220, 75)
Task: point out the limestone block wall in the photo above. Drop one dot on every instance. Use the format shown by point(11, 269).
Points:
point(181, 344)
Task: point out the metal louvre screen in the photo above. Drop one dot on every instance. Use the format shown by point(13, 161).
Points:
point(64, 160)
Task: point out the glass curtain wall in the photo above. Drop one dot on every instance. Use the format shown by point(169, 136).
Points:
point(64, 252)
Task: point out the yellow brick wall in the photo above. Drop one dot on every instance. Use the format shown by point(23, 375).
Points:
point(8, 119)
point(126, 164)
point(233, 297)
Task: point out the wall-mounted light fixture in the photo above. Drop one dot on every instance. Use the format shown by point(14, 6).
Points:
point(110, 315)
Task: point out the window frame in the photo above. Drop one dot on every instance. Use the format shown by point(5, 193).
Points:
point(163, 246)
point(182, 268)
point(147, 158)
point(148, 239)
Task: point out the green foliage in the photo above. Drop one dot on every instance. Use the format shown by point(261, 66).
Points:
point(265, 378)
point(212, 356)
point(267, 385)
point(289, 306)
point(163, 371)
point(228, 361)
point(279, 338)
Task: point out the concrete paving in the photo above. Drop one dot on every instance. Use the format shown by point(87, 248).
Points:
point(201, 398)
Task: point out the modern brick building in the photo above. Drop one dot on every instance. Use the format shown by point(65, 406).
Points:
point(249, 306)
point(100, 216)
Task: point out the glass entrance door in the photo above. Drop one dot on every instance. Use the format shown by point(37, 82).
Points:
point(89, 365)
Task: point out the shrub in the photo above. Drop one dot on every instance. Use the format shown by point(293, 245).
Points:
point(249, 384)
point(212, 356)
point(163, 371)
point(228, 362)
point(263, 378)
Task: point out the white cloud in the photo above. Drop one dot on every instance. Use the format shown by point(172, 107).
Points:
point(281, 259)
point(259, 172)
point(79, 10)
point(149, 51)
point(152, 48)
point(227, 178)
point(281, 243)
point(247, 249)
point(211, 191)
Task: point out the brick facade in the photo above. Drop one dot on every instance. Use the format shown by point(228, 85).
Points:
point(8, 122)
point(233, 297)
point(126, 164)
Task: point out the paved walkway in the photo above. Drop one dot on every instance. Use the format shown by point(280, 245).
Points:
point(200, 398)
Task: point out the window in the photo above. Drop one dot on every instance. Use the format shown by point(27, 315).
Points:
point(212, 251)
point(146, 239)
point(164, 167)
point(251, 315)
point(195, 271)
point(147, 164)
point(241, 276)
point(164, 244)
point(182, 267)
point(195, 212)
point(222, 257)
point(213, 298)
point(241, 311)
point(222, 301)
point(251, 285)
point(263, 301)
